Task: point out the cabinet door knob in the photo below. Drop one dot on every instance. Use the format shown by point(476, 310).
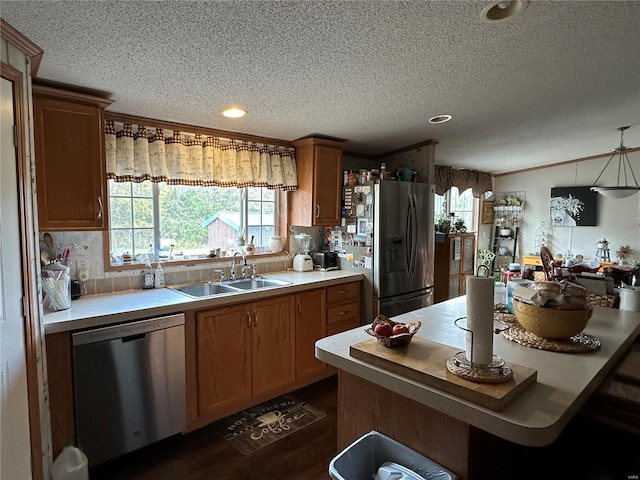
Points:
point(248, 319)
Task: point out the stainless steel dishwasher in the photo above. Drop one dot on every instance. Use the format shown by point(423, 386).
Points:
point(129, 385)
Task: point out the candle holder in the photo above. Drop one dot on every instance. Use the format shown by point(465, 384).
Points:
point(494, 372)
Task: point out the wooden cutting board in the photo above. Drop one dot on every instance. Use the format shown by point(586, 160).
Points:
point(425, 361)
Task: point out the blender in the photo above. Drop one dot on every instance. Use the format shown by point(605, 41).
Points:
point(302, 262)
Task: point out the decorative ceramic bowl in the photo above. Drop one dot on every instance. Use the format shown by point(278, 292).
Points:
point(551, 323)
point(393, 340)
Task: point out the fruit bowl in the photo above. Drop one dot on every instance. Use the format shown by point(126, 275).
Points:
point(551, 323)
point(397, 340)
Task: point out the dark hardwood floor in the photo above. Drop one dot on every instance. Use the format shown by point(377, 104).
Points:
point(203, 454)
point(586, 450)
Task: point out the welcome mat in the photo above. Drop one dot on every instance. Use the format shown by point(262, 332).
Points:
point(266, 423)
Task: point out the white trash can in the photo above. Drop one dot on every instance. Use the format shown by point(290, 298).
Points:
point(364, 458)
point(630, 298)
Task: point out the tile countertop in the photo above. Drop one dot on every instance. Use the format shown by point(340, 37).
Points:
point(539, 414)
point(101, 310)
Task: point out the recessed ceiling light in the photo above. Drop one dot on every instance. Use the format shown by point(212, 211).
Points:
point(503, 10)
point(234, 112)
point(440, 119)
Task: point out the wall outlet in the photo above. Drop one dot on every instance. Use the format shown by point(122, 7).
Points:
point(82, 265)
point(83, 274)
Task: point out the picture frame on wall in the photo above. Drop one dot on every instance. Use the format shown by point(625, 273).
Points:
point(487, 212)
point(573, 207)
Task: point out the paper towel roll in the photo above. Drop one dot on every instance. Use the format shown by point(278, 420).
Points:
point(480, 319)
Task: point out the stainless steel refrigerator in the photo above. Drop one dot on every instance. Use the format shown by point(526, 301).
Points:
point(402, 244)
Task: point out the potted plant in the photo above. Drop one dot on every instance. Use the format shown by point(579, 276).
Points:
point(240, 240)
point(443, 223)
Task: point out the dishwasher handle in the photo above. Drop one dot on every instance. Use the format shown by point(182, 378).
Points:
point(127, 330)
point(131, 338)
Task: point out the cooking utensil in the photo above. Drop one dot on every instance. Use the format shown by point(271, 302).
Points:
point(48, 240)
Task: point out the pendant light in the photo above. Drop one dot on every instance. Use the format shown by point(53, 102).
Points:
point(619, 191)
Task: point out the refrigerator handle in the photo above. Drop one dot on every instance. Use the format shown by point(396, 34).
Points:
point(411, 234)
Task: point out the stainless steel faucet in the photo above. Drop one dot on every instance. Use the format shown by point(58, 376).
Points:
point(245, 268)
point(233, 264)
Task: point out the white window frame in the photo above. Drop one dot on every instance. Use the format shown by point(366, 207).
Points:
point(111, 266)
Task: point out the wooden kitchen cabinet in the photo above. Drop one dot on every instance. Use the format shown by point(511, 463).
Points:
point(243, 351)
point(317, 199)
point(70, 159)
point(310, 327)
point(454, 260)
point(343, 307)
point(272, 344)
point(223, 357)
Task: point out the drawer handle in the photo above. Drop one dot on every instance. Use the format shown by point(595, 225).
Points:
point(342, 292)
point(343, 313)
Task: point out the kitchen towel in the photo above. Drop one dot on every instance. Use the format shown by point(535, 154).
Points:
point(479, 336)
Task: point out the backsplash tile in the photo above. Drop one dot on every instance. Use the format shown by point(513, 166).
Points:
point(89, 248)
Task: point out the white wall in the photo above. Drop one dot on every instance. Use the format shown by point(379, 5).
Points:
point(617, 220)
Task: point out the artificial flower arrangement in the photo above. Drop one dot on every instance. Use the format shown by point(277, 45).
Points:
point(485, 257)
point(624, 252)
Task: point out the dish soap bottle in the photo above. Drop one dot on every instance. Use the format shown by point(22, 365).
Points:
point(159, 276)
point(147, 275)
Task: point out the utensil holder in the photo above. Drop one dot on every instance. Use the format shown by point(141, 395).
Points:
point(56, 286)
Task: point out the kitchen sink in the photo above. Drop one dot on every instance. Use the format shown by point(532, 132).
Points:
point(204, 289)
point(233, 286)
point(257, 283)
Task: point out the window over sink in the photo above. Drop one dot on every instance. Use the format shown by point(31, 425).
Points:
point(176, 223)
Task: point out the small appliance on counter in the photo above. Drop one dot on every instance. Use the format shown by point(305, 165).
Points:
point(325, 260)
point(302, 262)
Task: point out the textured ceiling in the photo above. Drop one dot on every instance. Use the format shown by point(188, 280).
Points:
point(550, 85)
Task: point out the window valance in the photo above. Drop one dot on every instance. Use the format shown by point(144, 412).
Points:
point(180, 158)
point(447, 177)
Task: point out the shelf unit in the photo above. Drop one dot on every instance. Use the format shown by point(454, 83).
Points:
point(509, 242)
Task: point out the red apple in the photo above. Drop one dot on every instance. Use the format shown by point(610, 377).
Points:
point(399, 328)
point(383, 329)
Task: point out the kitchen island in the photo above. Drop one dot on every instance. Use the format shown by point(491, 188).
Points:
point(461, 435)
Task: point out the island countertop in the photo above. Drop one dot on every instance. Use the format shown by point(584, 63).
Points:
point(539, 414)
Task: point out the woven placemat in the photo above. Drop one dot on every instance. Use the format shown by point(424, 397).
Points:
point(580, 343)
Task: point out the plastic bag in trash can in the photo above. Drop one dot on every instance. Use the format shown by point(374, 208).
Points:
point(362, 459)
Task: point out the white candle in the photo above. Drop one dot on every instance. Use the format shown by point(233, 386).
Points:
point(479, 319)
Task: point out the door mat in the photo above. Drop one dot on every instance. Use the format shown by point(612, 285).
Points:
point(266, 423)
